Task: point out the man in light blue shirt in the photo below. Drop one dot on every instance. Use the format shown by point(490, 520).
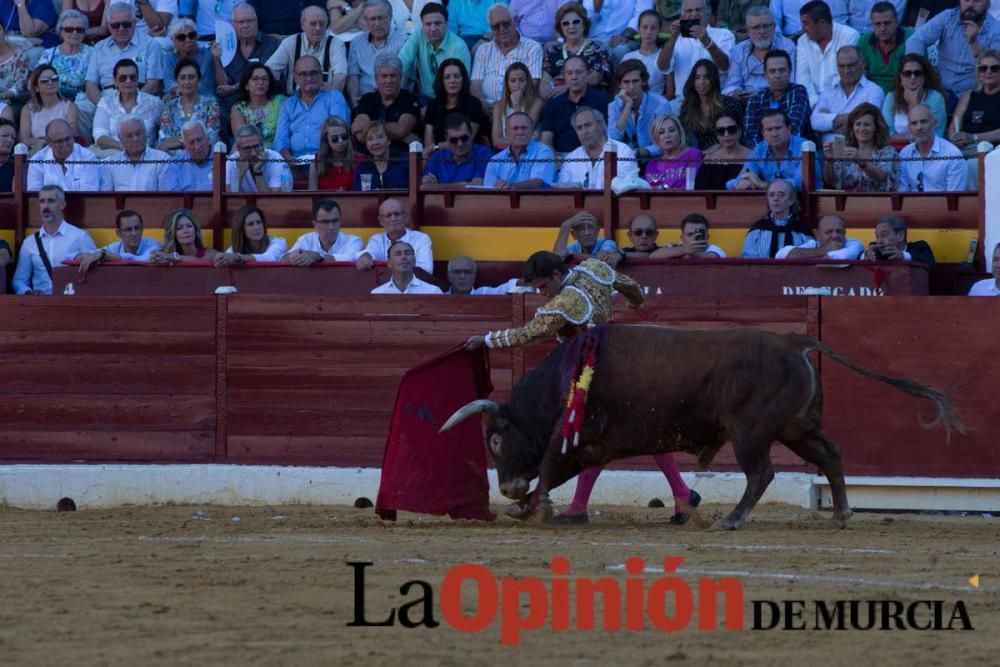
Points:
point(921, 167)
point(302, 114)
point(131, 246)
point(960, 34)
point(746, 60)
point(471, 18)
point(194, 166)
point(778, 156)
point(627, 125)
point(616, 24)
point(525, 163)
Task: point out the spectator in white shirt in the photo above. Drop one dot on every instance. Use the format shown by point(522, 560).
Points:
point(585, 165)
point(831, 242)
point(392, 217)
point(139, 167)
point(462, 279)
point(836, 103)
point(194, 163)
point(58, 163)
point(402, 260)
point(921, 167)
point(125, 100)
point(253, 168)
point(681, 52)
point(314, 40)
point(50, 246)
point(131, 246)
point(326, 243)
point(816, 50)
point(615, 22)
point(251, 242)
point(990, 286)
point(493, 58)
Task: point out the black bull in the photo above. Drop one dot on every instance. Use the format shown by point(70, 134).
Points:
point(657, 389)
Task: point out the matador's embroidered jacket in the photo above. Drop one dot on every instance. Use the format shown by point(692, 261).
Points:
point(583, 301)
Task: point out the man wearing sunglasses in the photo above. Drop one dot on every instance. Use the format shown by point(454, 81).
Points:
point(123, 43)
point(492, 58)
point(463, 162)
point(642, 232)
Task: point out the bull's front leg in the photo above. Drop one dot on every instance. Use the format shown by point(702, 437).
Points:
point(555, 470)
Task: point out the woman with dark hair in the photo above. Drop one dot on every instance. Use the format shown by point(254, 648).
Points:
point(45, 104)
point(259, 102)
point(573, 26)
point(187, 106)
point(386, 168)
point(182, 240)
point(704, 103)
point(650, 25)
point(917, 83)
point(128, 99)
point(781, 226)
point(333, 168)
point(519, 95)
point(451, 95)
point(251, 242)
point(634, 108)
point(868, 162)
point(725, 160)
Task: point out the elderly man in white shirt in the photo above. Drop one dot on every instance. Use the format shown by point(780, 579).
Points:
point(139, 167)
point(585, 165)
point(402, 259)
point(816, 50)
point(829, 115)
point(831, 242)
point(58, 163)
point(326, 243)
point(921, 168)
point(253, 168)
point(392, 217)
point(314, 40)
point(50, 246)
point(462, 280)
point(680, 53)
point(194, 163)
point(990, 286)
point(493, 58)
point(131, 246)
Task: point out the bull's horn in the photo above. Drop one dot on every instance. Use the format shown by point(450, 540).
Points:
point(480, 405)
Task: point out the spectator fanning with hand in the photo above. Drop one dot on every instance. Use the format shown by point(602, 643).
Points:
point(584, 228)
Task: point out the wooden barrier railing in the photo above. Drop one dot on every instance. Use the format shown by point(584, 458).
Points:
point(450, 212)
point(312, 380)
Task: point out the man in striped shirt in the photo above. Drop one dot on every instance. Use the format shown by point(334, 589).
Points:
point(493, 58)
point(380, 38)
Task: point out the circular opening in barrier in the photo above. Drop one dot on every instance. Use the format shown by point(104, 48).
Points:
point(66, 505)
point(655, 502)
point(363, 503)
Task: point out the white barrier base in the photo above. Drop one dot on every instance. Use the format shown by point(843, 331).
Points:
point(114, 485)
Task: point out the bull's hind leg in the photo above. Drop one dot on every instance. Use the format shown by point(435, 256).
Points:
point(820, 450)
point(754, 457)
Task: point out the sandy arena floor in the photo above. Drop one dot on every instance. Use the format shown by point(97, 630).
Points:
point(158, 586)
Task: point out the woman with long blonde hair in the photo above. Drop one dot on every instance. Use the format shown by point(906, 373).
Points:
point(182, 240)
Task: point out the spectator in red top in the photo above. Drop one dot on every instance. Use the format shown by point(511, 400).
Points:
point(333, 168)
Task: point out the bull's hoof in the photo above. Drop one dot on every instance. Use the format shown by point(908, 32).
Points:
point(544, 511)
point(681, 518)
point(519, 511)
point(840, 519)
point(727, 523)
point(570, 519)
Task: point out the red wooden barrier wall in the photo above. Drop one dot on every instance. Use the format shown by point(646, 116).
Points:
point(311, 380)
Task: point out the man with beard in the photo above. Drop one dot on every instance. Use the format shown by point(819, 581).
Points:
point(50, 246)
point(746, 62)
point(961, 34)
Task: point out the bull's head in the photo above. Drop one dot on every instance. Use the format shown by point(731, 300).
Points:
point(510, 449)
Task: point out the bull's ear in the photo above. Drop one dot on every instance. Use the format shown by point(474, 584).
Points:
point(496, 422)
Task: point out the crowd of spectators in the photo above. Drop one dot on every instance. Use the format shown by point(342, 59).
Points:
point(134, 95)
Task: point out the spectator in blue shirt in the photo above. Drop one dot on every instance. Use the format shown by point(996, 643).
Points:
point(464, 163)
point(587, 243)
point(302, 115)
point(634, 108)
point(557, 129)
point(30, 19)
point(779, 155)
point(526, 163)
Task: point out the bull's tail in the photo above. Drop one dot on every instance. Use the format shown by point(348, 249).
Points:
point(947, 413)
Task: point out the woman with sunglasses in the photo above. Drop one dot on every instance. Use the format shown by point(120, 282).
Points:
point(126, 99)
point(704, 103)
point(725, 160)
point(259, 102)
point(333, 168)
point(978, 110)
point(573, 26)
point(868, 162)
point(72, 56)
point(92, 12)
point(44, 105)
point(188, 105)
point(184, 37)
point(917, 83)
point(451, 95)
